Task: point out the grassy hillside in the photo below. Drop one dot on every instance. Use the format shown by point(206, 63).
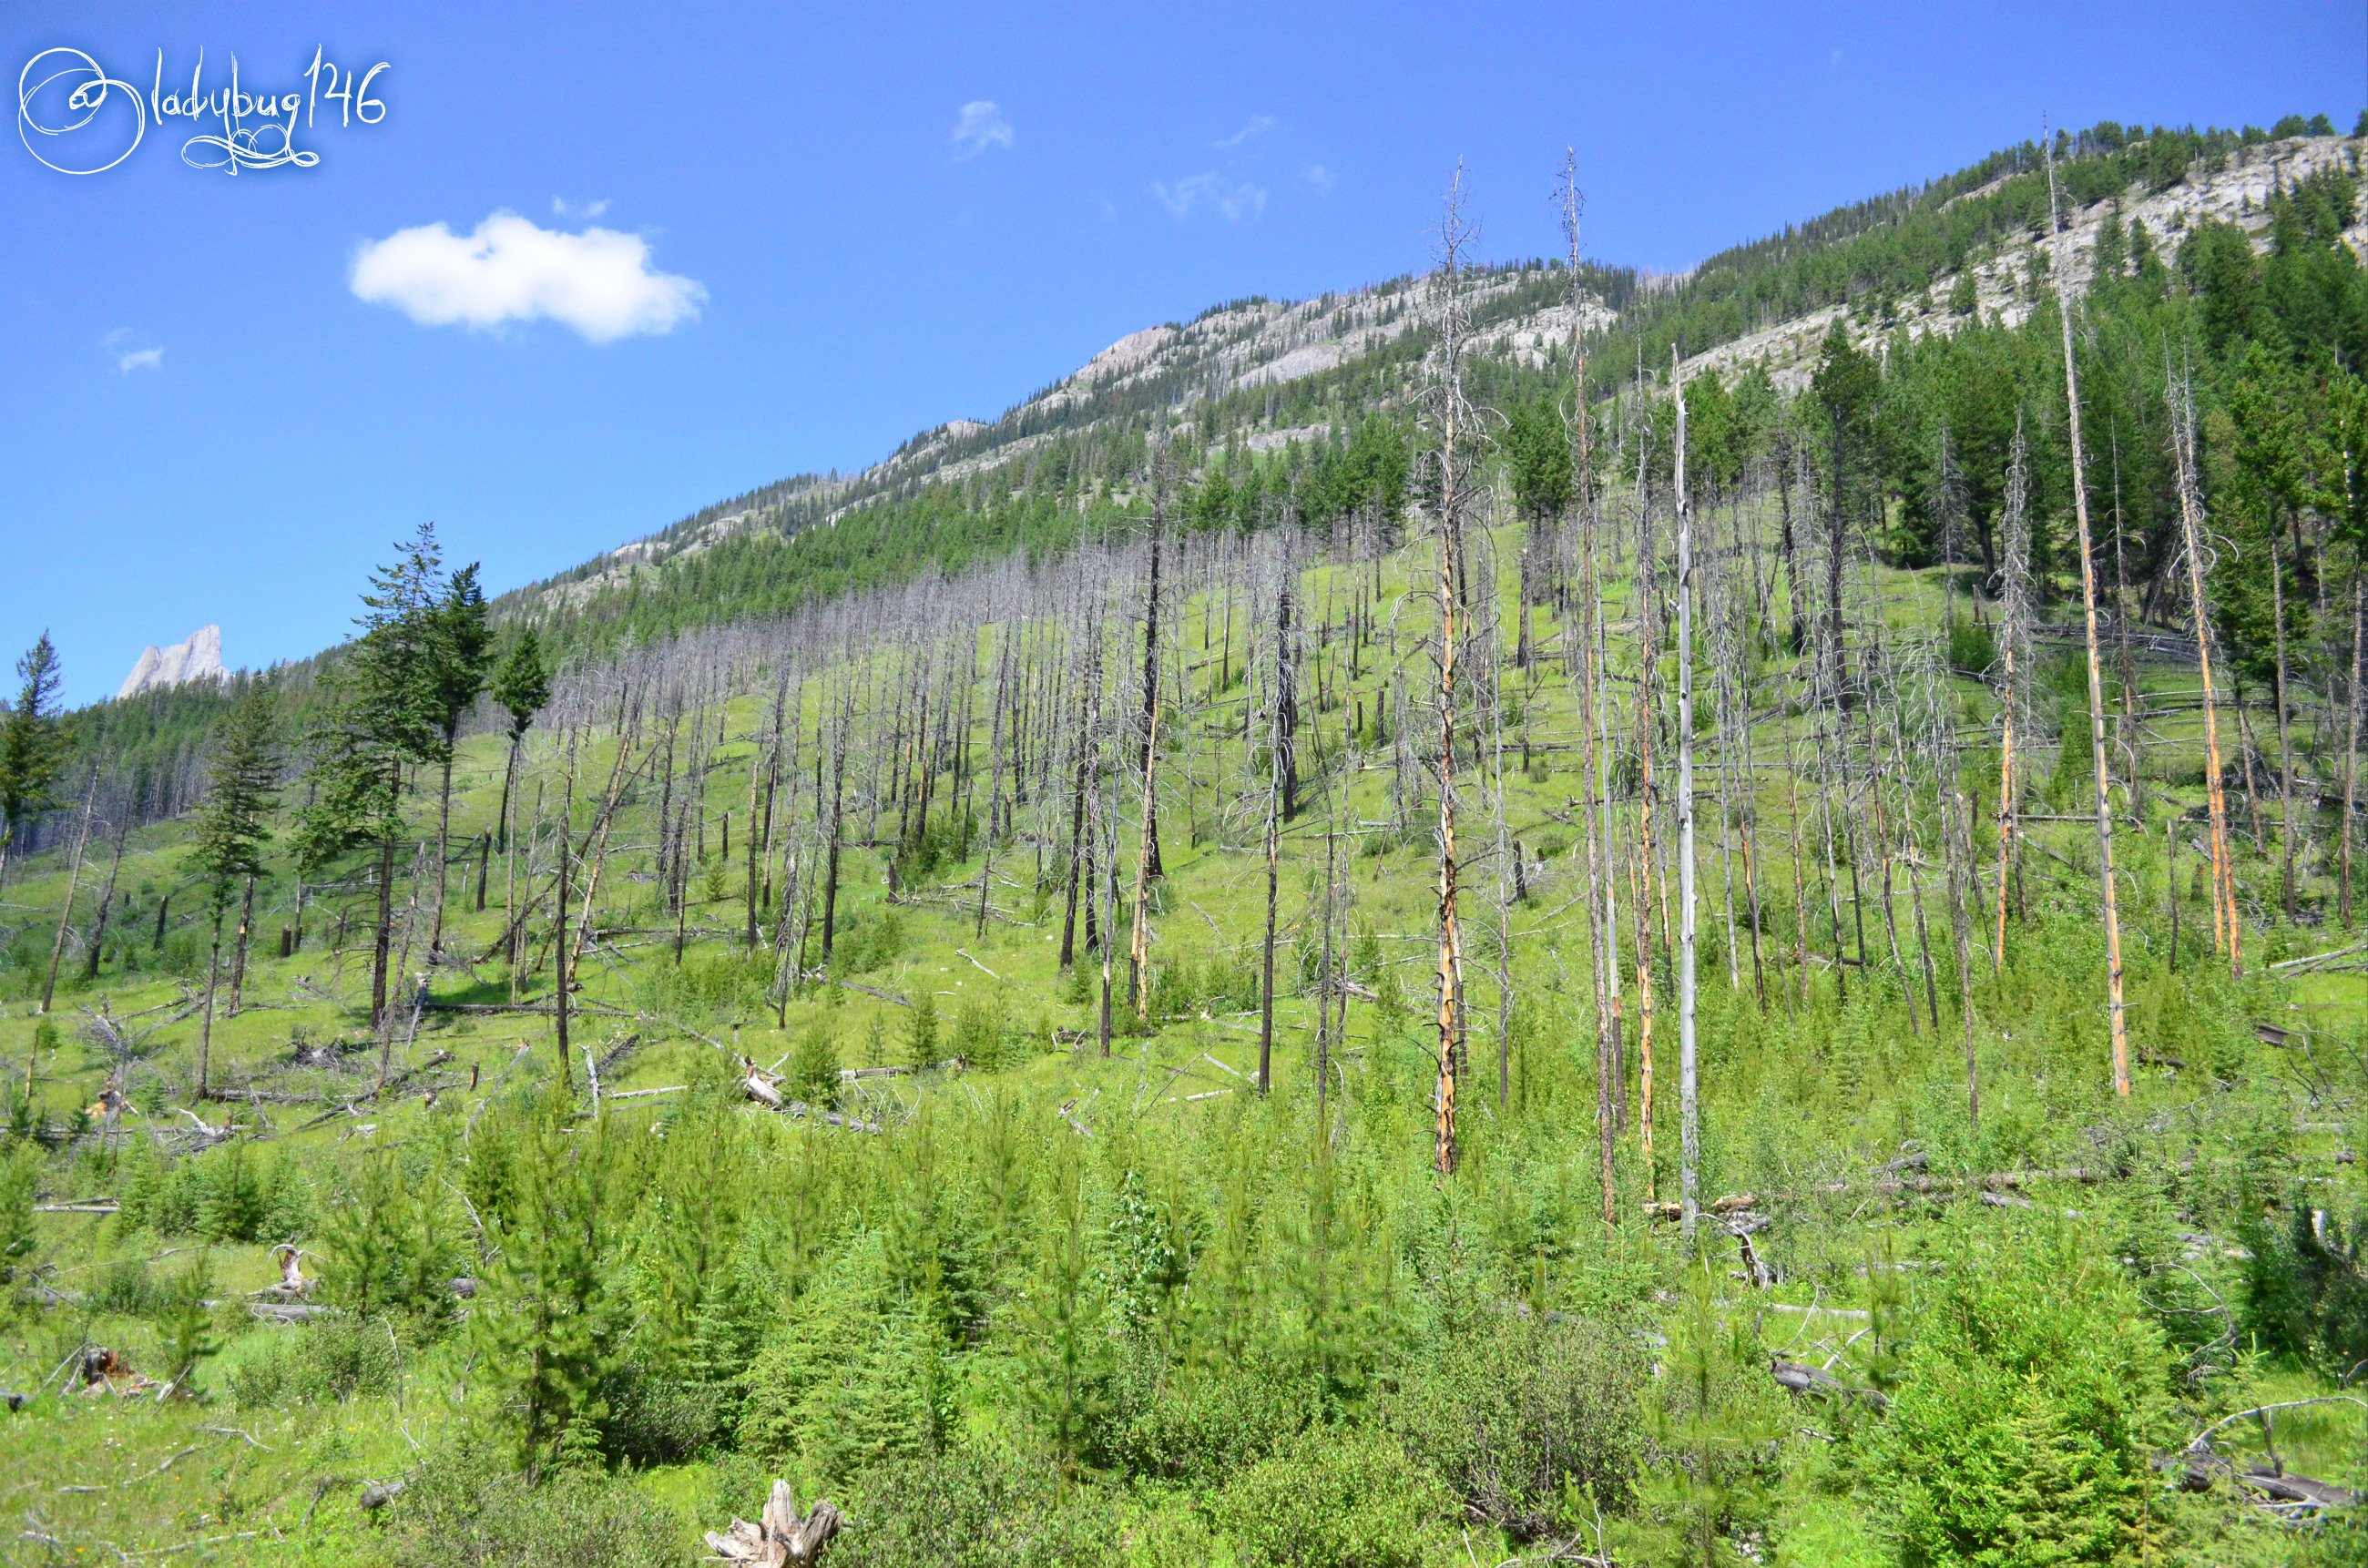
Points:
point(1080, 1305)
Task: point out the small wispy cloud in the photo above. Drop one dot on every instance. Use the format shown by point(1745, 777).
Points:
point(1237, 199)
point(599, 282)
point(1319, 177)
point(130, 359)
point(982, 126)
point(563, 207)
point(1259, 124)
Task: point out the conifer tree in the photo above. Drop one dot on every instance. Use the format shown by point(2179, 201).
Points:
point(234, 827)
point(32, 746)
point(522, 686)
point(547, 1323)
point(459, 644)
point(385, 713)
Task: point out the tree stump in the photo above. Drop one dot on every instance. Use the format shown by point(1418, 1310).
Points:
point(781, 1540)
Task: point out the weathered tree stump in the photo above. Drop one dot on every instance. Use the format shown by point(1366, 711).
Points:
point(781, 1540)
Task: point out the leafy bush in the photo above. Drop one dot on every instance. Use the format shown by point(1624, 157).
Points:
point(2031, 1400)
point(1338, 1498)
point(1514, 1411)
point(323, 1363)
point(653, 1419)
point(863, 942)
point(1200, 1425)
point(464, 1510)
point(1973, 647)
point(2307, 1288)
point(971, 1508)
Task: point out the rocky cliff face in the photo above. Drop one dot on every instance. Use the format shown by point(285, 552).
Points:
point(198, 658)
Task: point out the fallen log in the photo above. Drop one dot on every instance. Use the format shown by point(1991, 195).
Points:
point(1800, 1378)
point(780, 1538)
point(286, 1311)
point(765, 1089)
point(857, 1075)
point(2283, 1487)
point(1995, 1182)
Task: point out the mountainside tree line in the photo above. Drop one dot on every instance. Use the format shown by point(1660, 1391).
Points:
point(1465, 777)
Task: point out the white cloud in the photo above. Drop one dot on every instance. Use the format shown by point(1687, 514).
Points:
point(599, 282)
point(130, 359)
point(1258, 125)
point(1210, 188)
point(1321, 177)
point(563, 207)
point(982, 126)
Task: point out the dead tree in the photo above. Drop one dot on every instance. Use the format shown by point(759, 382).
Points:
point(2014, 654)
point(1453, 420)
point(1688, 1109)
point(2107, 895)
point(1595, 757)
point(1150, 756)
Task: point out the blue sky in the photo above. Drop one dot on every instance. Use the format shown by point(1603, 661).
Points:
point(823, 228)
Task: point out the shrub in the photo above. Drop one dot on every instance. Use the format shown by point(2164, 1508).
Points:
point(1200, 1425)
point(464, 1510)
point(1513, 1411)
point(2307, 1288)
point(971, 1507)
point(1338, 1498)
point(2031, 1399)
point(652, 1419)
point(323, 1363)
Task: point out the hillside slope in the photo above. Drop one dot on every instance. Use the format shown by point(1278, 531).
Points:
point(1260, 373)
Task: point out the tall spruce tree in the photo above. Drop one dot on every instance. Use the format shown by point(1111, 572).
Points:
point(522, 685)
point(234, 827)
point(32, 746)
point(460, 648)
point(386, 712)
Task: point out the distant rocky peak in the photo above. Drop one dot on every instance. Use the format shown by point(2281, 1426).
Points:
point(197, 658)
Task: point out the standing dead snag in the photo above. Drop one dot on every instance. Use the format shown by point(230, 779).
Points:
point(2225, 931)
point(1448, 402)
point(1150, 854)
point(1593, 724)
point(1688, 1109)
point(780, 1538)
point(2106, 897)
point(2014, 654)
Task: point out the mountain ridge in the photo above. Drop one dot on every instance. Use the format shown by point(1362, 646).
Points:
point(1521, 313)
